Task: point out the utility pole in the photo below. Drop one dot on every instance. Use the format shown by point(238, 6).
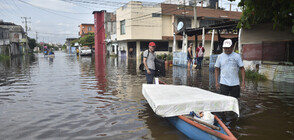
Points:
point(184, 44)
point(195, 14)
point(26, 28)
point(36, 36)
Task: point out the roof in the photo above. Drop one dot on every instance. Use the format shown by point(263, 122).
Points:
point(98, 11)
point(172, 9)
point(87, 24)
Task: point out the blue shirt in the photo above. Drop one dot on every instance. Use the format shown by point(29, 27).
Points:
point(229, 65)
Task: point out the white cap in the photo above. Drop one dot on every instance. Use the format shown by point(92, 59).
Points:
point(227, 43)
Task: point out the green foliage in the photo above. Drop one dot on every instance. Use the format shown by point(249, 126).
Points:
point(278, 12)
point(169, 57)
point(32, 43)
point(165, 56)
point(4, 57)
point(72, 43)
point(253, 75)
point(87, 40)
point(63, 47)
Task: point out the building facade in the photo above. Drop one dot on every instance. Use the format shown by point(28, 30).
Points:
point(12, 38)
point(86, 28)
point(110, 34)
point(268, 51)
point(139, 23)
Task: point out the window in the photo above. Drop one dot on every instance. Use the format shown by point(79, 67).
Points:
point(122, 27)
point(160, 46)
point(204, 23)
point(155, 14)
point(89, 28)
point(188, 22)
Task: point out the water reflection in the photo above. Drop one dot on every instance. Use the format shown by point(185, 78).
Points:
point(179, 75)
point(51, 59)
point(100, 72)
point(75, 97)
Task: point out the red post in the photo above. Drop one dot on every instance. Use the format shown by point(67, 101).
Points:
point(100, 50)
point(99, 32)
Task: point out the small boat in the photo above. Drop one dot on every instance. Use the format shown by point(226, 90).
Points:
point(196, 130)
point(174, 102)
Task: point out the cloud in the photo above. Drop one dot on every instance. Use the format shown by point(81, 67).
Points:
point(63, 24)
point(6, 6)
point(53, 4)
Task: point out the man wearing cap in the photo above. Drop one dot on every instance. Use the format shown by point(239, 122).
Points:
point(149, 64)
point(227, 66)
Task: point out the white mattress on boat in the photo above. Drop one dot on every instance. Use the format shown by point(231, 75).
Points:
point(174, 100)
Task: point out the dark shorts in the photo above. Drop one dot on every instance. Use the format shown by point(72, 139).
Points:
point(233, 91)
point(189, 59)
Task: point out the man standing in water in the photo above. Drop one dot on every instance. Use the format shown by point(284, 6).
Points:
point(149, 64)
point(199, 55)
point(229, 63)
point(190, 55)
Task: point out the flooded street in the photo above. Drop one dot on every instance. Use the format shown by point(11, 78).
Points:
point(69, 97)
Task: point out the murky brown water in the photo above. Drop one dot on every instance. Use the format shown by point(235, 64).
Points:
point(70, 97)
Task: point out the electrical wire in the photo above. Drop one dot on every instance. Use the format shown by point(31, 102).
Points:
point(49, 10)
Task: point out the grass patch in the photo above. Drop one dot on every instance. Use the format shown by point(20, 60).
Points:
point(4, 57)
point(253, 75)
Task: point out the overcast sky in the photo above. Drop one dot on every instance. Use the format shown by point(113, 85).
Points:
point(55, 20)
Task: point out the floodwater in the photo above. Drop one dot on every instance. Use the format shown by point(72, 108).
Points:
point(69, 97)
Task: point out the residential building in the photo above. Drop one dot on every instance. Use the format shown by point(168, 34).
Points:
point(139, 23)
point(4, 41)
point(15, 46)
point(110, 34)
point(86, 28)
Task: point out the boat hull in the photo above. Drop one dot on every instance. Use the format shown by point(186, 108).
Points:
point(201, 132)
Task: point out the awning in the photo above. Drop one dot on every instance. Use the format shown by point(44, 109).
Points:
point(174, 100)
point(198, 31)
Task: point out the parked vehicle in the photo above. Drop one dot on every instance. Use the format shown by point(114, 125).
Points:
point(85, 51)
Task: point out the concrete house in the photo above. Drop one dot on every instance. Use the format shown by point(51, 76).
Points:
point(110, 34)
point(268, 51)
point(15, 46)
point(4, 41)
point(86, 28)
point(139, 23)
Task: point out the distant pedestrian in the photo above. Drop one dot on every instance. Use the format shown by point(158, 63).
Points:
point(199, 55)
point(78, 51)
point(190, 55)
point(149, 64)
point(227, 66)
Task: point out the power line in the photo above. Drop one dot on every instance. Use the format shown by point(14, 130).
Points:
point(53, 33)
point(45, 9)
point(14, 11)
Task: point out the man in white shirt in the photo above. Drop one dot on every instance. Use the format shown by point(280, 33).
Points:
point(227, 66)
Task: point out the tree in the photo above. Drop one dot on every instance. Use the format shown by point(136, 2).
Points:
point(72, 43)
point(278, 12)
point(32, 43)
point(87, 40)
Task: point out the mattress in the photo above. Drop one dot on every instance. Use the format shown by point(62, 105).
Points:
point(174, 100)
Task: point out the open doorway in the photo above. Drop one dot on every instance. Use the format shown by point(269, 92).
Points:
point(132, 49)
